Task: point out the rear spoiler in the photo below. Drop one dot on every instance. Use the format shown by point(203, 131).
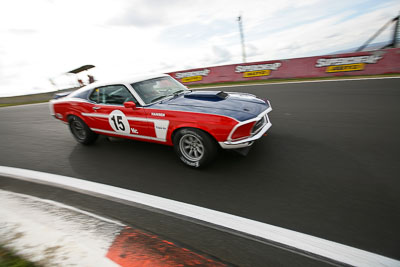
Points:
point(60, 95)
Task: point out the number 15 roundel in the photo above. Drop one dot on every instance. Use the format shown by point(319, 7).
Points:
point(119, 122)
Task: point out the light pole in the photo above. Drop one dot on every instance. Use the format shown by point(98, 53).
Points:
point(242, 38)
point(396, 34)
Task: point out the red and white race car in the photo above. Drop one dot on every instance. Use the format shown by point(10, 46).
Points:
point(159, 109)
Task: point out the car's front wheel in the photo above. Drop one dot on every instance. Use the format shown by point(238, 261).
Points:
point(194, 147)
point(81, 131)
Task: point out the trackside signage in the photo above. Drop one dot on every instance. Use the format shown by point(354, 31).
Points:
point(192, 76)
point(360, 63)
point(347, 63)
point(257, 70)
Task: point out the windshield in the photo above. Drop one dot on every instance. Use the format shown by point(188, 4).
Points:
point(159, 88)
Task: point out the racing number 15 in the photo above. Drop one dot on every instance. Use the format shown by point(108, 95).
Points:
point(117, 120)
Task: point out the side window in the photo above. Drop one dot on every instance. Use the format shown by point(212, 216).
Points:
point(112, 94)
point(95, 95)
point(83, 94)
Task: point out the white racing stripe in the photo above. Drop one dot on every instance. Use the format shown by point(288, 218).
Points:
point(160, 127)
point(303, 242)
point(131, 135)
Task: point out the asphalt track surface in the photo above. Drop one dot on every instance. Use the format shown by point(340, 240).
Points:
point(329, 166)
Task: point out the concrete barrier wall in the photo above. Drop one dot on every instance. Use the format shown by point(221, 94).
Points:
point(361, 63)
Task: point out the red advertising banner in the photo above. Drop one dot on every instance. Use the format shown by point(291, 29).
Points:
point(360, 63)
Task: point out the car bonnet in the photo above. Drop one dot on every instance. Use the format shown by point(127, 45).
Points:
point(239, 106)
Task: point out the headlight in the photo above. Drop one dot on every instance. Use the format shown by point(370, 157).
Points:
point(259, 124)
point(243, 131)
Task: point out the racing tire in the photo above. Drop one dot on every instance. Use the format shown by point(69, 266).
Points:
point(194, 147)
point(81, 131)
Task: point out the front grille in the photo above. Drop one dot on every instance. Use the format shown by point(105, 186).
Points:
point(259, 124)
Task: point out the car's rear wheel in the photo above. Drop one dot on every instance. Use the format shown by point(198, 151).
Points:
point(194, 147)
point(81, 131)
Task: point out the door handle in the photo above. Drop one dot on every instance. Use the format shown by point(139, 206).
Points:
point(96, 108)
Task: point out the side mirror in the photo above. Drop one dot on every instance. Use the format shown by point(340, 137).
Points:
point(130, 104)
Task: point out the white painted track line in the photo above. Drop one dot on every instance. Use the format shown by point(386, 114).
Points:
point(294, 82)
point(317, 246)
point(252, 84)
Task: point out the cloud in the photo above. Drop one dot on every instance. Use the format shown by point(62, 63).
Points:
point(22, 31)
point(147, 13)
point(198, 32)
point(332, 33)
point(252, 51)
point(139, 18)
point(221, 55)
point(136, 36)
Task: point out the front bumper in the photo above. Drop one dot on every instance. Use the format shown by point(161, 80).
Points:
point(229, 144)
point(245, 142)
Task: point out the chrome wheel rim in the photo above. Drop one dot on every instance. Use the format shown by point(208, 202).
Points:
point(192, 147)
point(78, 129)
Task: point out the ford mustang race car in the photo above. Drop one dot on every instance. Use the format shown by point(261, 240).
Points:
point(161, 110)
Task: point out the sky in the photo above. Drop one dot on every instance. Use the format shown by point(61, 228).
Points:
point(43, 39)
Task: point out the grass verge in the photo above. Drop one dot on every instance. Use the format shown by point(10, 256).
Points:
point(22, 103)
point(9, 259)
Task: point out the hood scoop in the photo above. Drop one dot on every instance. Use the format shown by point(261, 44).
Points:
point(207, 95)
